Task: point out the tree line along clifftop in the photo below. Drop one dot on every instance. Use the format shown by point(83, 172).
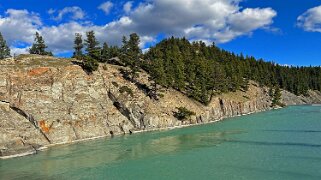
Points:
point(198, 70)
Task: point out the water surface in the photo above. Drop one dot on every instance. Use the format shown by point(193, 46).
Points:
point(279, 144)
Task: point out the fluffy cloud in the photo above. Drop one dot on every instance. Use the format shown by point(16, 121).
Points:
point(216, 20)
point(19, 25)
point(311, 20)
point(106, 7)
point(128, 6)
point(208, 20)
point(75, 13)
point(15, 51)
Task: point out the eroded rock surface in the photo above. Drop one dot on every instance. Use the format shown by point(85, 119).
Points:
point(44, 100)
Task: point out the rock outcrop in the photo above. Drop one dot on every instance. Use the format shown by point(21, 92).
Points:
point(46, 101)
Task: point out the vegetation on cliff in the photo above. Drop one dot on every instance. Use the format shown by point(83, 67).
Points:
point(4, 49)
point(201, 71)
point(276, 96)
point(183, 113)
point(198, 70)
point(39, 47)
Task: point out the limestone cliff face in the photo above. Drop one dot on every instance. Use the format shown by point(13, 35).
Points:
point(44, 100)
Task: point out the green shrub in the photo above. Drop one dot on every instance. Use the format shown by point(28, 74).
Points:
point(126, 89)
point(160, 95)
point(90, 64)
point(105, 68)
point(115, 84)
point(183, 113)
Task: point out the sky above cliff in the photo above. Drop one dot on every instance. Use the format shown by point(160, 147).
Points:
point(287, 31)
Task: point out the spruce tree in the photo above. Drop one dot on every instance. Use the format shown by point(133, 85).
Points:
point(92, 45)
point(179, 68)
point(157, 73)
point(131, 54)
point(78, 46)
point(276, 97)
point(124, 47)
point(90, 64)
point(39, 46)
point(105, 53)
point(114, 51)
point(4, 49)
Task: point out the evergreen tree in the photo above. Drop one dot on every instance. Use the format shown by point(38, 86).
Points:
point(276, 97)
point(179, 67)
point(114, 51)
point(131, 54)
point(4, 49)
point(105, 53)
point(39, 46)
point(92, 46)
point(157, 73)
point(90, 64)
point(78, 46)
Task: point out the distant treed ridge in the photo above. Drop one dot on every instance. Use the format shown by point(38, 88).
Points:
point(201, 71)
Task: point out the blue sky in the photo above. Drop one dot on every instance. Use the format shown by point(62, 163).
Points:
point(287, 31)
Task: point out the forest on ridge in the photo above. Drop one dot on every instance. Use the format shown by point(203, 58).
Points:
point(198, 70)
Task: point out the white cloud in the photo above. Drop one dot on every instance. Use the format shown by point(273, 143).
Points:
point(207, 20)
point(75, 13)
point(311, 20)
point(16, 51)
point(106, 7)
point(19, 25)
point(128, 6)
point(51, 11)
point(244, 22)
point(217, 20)
point(146, 39)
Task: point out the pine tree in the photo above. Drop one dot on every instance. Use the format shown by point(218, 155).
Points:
point(179, 68)
point(131, 54)
point(39, 46)
point(90, 64)
point(92, 45)
point(78, 46)
point(4, 49)
point(276, 97)
point(105, 53)
point(157, 73)
point(114, 51)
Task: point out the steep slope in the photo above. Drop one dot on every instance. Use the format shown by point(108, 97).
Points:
point(46, 101)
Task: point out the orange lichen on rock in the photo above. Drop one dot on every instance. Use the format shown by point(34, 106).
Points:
point(44, 126)
point(38, 71)
point(19, 142)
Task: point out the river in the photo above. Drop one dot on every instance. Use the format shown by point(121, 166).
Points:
point(279, 144)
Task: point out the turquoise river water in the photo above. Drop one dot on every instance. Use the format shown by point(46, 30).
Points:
point(279, 144)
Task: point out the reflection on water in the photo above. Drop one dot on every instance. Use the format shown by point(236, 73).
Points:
point(59, 160)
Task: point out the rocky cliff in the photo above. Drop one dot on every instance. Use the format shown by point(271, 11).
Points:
point(46, 101)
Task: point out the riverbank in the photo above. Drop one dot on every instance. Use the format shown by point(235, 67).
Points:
point(274, 144)
point(45, 101)
point(35, 151)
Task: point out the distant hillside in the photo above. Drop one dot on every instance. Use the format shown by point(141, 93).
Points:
point(200, 71)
